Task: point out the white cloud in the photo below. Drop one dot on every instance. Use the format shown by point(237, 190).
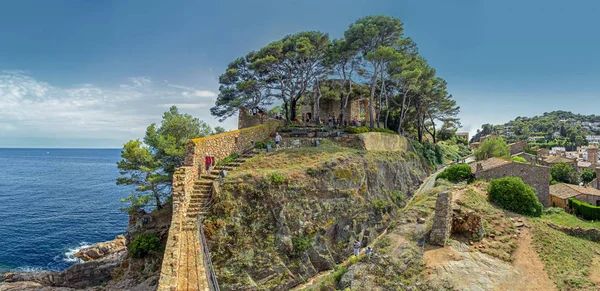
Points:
point(34, 108)
point(201, 93)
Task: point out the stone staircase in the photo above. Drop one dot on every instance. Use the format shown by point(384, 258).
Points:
point(201, 199)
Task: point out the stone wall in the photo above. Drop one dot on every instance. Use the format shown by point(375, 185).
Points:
point(536, 176)
point(590, 199)
point(517, 147)
point(442, 221)
point(222, 145)
point(183, 186)
point(585, 233)
point(378, 141)
point(328, 109)
point(532, 159)
point(246, 119)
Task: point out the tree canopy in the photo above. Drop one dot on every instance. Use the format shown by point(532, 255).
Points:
point(149, 166)
point(493, 147)
point(404, 93)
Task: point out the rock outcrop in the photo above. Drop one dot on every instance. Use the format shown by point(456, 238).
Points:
point(467, 223)
point(103, 249)
point(77, 276)
point(442, 221)
point(273, 231)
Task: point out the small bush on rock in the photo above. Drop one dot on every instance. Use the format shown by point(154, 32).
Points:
point(513, 194)
point(301, 243)
point(277, 179)
point(144, 244)
point(457, 173)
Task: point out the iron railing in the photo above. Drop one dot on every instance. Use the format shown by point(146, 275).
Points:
point(208, 267)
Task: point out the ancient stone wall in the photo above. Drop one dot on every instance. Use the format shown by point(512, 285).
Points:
point(536, 176)
point(585, 233)
point(442, 221)
point(590, 199)
point(222, 145)
point(532, 159)
point(378, 141)
point(246, 119)
point(183, 186)
point(517, 147)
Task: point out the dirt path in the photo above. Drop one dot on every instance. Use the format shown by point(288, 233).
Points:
point(528, 264)
point(595, 271)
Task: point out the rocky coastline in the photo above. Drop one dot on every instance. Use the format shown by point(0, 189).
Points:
point(99, 263)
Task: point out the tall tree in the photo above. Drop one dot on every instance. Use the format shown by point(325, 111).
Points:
point(167, 141)
point(140, 169)
point(344, 60)
point(368, 35)
point(241, 87)
point(150, 166)
point(292, 65)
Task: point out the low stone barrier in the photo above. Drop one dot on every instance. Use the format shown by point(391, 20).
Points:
point(580, 232)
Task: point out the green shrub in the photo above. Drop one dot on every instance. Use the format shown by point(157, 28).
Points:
point(430, 152)
point(493, 147)
point(588, 175)
point(228, 159)
point(144, 244)
point(564, 173)
point(277, 178)
point(357, 130)
point(586, 210)
point(513, 194)
point(363, 129)
point(301, 243)
point(518, 159)
point(263, 145)
point(457, 173)
point(380, 205)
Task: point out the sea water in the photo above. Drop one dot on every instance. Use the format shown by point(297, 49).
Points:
point(54, 202)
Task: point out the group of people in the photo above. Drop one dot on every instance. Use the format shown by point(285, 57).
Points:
point(357, 245)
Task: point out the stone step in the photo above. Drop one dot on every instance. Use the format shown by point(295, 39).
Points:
point(203, 183)
point(226, 168)
point(239, 160)
point(234, 164)
point(200, 194)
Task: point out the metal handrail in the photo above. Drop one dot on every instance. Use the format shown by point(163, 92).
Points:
point(210, 271)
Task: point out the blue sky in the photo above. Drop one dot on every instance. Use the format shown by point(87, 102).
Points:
point(96, 73)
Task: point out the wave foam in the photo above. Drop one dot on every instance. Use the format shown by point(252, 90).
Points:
point(69, 255)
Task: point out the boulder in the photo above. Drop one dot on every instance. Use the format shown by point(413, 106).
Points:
point(468, 223)
point(102, 249)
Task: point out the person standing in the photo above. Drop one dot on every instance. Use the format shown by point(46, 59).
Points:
point(207, 163)
point(277, 140)
point(356, 247)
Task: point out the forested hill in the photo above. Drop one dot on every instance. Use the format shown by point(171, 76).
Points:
point(550, 126)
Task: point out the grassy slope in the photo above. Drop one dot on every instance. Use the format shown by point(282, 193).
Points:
point(567, 259)
point(559, 217)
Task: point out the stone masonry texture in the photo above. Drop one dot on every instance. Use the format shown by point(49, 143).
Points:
point(537, 177)
point(442, 221)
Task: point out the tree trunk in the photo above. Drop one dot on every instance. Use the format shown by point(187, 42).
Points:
point(420, 128)
point(158, 204)
point(293, 104)
point(371, 99)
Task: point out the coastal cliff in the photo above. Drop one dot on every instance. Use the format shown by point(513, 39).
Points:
point(281, 219)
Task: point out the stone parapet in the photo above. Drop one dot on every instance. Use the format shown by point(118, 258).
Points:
point(222, 145)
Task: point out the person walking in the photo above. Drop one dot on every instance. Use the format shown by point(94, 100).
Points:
point(207, 163)
point(356, 247)
point(277, 140)
point(369, 252)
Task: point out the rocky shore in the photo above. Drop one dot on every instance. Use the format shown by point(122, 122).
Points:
point(100, 260)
